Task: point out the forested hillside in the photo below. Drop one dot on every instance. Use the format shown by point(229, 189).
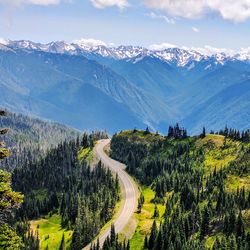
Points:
point(61, 183)
point(28, 138)
point(54, 182)
point(201, 188)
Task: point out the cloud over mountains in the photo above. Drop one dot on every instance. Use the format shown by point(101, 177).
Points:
point(236, 11)
point(110, 3)
point(34, 2)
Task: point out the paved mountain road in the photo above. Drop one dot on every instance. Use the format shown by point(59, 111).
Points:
point(127, 186)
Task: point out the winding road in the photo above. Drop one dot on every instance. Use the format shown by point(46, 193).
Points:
point(127, 187)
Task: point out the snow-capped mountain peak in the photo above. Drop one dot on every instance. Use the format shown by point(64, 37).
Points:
point(181, 57)
point(60, 47)
point(126, 52)
point(178, 56)
point(24, 44)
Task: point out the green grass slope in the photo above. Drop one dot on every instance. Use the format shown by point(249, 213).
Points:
point(50, 232)
point(161, 163)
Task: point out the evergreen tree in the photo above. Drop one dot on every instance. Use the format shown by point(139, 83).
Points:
point(140, 203)
point(62, 244)
point(153, 236)
point(205, 223)
point(147, 131)
point(203, 135)
point(240, 226)
point(112, 234)
point(232, 220)
point(156, 212)
point(146, 242)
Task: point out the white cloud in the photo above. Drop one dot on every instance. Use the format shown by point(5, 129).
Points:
point(244, 53)
point(101, 4)
point(162, 46)
point(194, 29)
point(206, 50)
point(245, 50)
point(234, 10)
point(34, 2)
point(4, 41)
point(165, 18)
point(91, 42)
point(210, 50)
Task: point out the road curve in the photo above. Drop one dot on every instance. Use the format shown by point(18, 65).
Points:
point(127, 186)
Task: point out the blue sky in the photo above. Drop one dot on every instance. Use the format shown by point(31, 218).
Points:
point(191, 23)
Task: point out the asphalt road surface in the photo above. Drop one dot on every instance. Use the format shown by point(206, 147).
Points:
point(127, 188)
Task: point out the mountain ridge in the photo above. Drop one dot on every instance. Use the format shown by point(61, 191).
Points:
point(173, 54)
point(117, 88)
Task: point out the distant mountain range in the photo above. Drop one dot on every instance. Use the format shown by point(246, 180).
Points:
point(180, 57)
point(115, 88)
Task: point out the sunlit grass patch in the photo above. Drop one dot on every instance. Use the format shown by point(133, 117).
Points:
point(234, 182)
point(145, 218)
point(209, 242)
point(50, 232)
point(86, 154)
point(219, 151)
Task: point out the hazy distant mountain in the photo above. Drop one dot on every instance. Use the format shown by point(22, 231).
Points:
point(122, 87)
point(230, 106)
point(69, 89)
